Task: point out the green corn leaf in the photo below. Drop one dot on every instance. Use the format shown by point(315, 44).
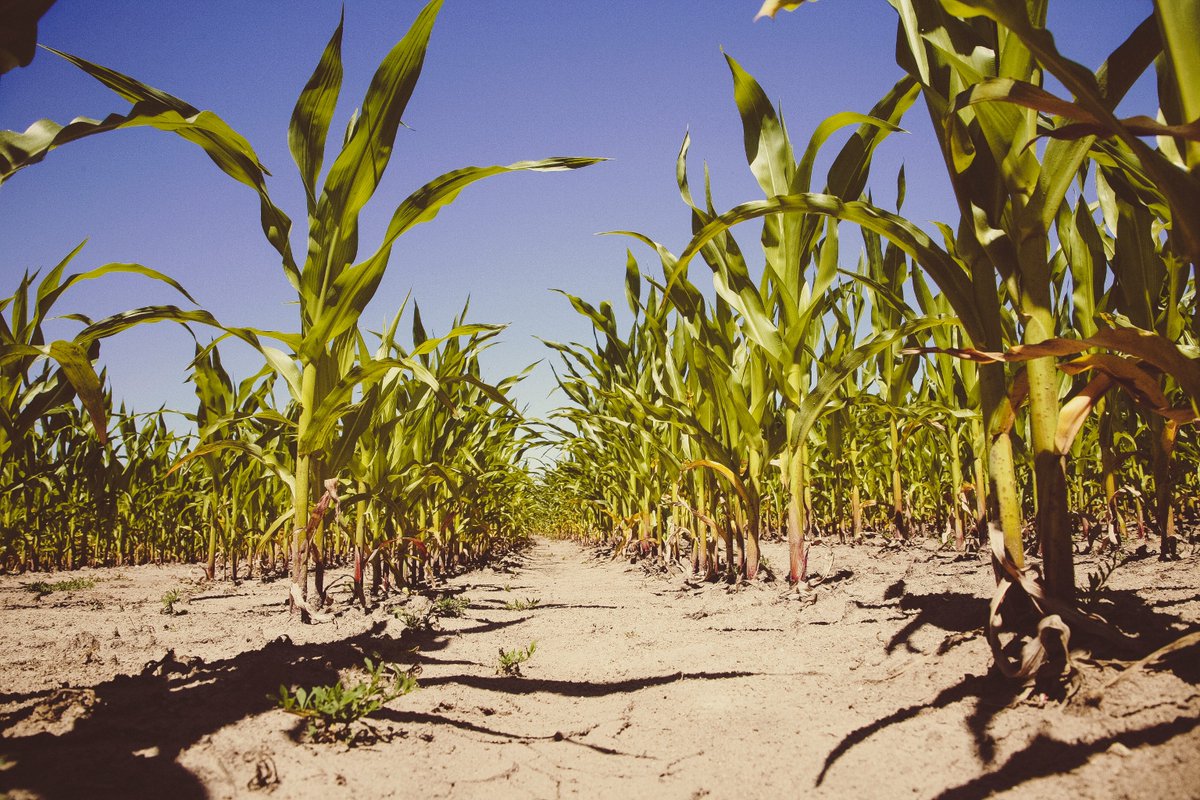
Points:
point(214, 387)
point(284, 366)
point(157, 109)
point(117, 323)
point(633, 282)
point(46, 298)
point(314, 110)
point(257, 453)
point(358, 168)
point(1180, 188)
point(847, 176)
point(355, 286)
point(949, 273)
point(77, 367)
point(767, 147)
point(356, 421)
point(337, 401)
point(829, 126)
point(429, 344)
point(814, 405)
point(425, 203)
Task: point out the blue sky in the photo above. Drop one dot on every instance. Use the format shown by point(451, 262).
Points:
point(503, 81)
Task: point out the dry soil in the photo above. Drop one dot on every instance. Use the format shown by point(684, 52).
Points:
point(876, 684)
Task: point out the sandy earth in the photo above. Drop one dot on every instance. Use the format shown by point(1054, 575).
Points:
point(874, 685)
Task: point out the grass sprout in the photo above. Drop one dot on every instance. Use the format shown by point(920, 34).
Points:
point(413, 619)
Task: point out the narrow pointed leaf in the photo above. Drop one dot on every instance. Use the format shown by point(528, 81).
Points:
point(314, 110)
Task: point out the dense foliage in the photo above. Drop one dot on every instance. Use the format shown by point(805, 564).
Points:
point(798, 400)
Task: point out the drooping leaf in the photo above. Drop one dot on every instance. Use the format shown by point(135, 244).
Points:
point(160, 110)
point(77, 366)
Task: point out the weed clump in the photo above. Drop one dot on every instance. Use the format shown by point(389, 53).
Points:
point(333, 711)
point(451, 606)
point(413, 619)
point(510, 661)
point(426, 619)
point(43, 588)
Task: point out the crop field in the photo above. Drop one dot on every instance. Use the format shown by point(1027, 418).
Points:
point(835, 502)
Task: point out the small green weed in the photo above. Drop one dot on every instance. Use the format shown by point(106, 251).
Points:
point(523, 605)
point(416, 620)
point(510, 661)
point(42, 588)
point(451, 606)
point(426, 618)
point(170, 599)
point(332, 710)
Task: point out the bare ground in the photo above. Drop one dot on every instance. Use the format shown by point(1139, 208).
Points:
point(874, 685)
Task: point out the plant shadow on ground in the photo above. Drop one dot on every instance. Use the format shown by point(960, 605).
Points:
point(953, 612)
point(1045, 755)
point(1145, 620)
point(493, 605)
point(131, 737)
point(959, 613)
point(419, 718)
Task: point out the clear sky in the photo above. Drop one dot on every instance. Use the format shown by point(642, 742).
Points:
point(503, 81)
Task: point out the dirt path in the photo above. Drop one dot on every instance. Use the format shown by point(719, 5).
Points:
point(873, 686)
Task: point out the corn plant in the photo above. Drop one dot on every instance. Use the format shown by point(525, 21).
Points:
point(437, 482)
point(325, 366)
point(453, 505)
point(331, 288)
point(737, 386)
point(151, 108)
